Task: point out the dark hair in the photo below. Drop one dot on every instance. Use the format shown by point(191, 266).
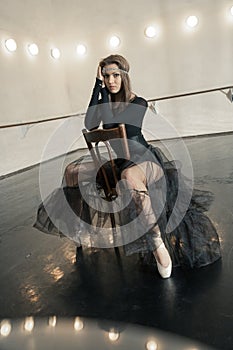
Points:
point(123, 64)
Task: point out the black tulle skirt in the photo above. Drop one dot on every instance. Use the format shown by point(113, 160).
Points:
point(82, 214)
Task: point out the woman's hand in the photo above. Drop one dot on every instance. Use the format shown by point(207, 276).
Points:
point(99, 74)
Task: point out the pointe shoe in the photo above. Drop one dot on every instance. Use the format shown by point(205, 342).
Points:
point(165, 272)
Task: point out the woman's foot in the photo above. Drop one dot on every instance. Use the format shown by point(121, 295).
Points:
point(163, 261)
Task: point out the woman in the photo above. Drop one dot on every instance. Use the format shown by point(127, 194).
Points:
point(154, 183)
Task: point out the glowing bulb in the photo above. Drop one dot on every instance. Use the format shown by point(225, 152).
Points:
point(150, 32)
point(52, 321)
point(113, 335)
point(192, 21)
point(11, 45)
point(151, 345)
point(33, 49)
point(81, 49)
point(55, 53)
point(114, 41)
point(5, 328)
point(78, 324)
point(29, 324)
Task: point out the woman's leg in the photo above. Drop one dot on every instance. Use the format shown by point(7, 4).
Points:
point(137, 180)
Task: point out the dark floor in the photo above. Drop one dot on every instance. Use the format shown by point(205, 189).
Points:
point(40, 277)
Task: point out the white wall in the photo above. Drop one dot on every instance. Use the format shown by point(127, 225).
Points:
point(177, 61)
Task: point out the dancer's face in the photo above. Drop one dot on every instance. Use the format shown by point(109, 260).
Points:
point(112, 78)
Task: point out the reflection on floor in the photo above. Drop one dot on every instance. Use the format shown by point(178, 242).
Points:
point(40, 276)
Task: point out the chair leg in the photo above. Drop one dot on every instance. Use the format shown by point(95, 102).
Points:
point(118, 258)
point(117, 251)
point(79, 254)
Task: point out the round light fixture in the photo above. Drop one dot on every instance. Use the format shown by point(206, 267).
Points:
point(114, 41)
point(33, 49)
point(150, 32)
point(11, 45)
point(81, 49)
point(55, 53)
point(192, 21)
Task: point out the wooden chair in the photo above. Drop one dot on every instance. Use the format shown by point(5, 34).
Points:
point(96, 139)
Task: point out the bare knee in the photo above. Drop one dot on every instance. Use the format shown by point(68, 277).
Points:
point(127, 174)
point(135, 178)
point(71, 174)
point(71, 169)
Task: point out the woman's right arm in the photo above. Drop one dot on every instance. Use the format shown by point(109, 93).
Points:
point(94, 112)
point(92, 118)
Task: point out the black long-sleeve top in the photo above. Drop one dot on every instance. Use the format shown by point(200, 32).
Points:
point(100, 110)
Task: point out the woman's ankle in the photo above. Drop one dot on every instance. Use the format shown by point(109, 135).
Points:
point(162, 256)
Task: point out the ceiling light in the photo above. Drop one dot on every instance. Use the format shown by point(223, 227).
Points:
point(11, 45)
point(192, 21)
point(150, 32)
point(114, 41)
point(33, 49)
point(231, 10)
point(55, 53)
point(81, 49)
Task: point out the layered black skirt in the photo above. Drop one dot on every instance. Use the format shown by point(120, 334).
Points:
point(82, 214)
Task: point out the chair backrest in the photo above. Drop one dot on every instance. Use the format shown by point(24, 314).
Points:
point(96, 137)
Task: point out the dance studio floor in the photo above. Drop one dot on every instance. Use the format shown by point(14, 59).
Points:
point(40, 276)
